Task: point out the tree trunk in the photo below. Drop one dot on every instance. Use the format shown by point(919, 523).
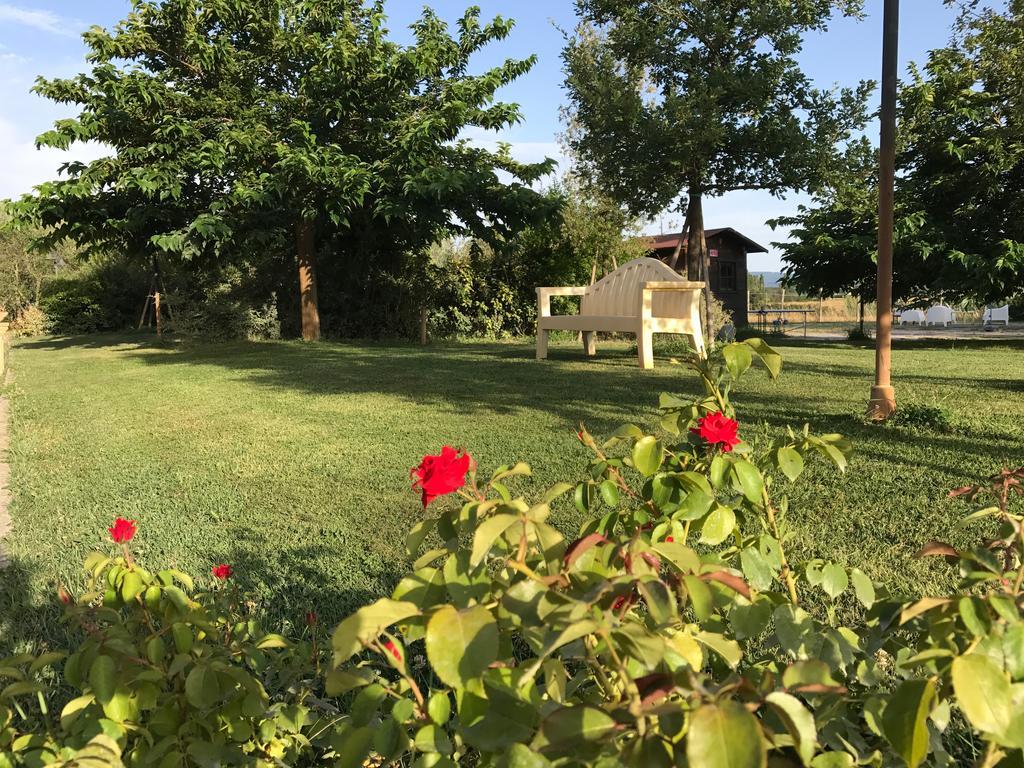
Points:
point(862, 315)
point(698, 260)
point(306, 242)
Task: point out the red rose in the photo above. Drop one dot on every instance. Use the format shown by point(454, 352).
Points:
point(441, 474)
point(311, 618)
point(122, 530)
point(222, 571)
point(393, 650)
point(718, 429)
point(670, 539)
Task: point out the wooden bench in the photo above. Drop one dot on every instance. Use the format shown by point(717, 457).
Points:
point(642, 297)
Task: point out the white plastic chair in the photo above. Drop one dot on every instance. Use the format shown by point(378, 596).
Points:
point(940, 315)
point(994, 314)
point(912, 316)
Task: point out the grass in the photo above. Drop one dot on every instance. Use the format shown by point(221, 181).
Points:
point(291, 461)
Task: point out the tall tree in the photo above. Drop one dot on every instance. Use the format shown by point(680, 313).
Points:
point(675, 100)
point(239, 125)
point(960, 187)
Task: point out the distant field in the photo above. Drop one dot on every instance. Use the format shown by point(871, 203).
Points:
point(291, 460)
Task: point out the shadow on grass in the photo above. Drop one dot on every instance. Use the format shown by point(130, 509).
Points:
point(29, 621)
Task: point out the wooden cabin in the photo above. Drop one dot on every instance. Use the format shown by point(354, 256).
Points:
point(728, 250)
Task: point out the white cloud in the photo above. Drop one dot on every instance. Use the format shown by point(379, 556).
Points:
point(24, 166)
point(45, 21)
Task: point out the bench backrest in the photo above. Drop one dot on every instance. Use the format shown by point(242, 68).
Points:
point(620, 293)
point(997, 313)
point(940, 314)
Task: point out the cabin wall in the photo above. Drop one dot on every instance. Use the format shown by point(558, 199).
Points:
point(729, 276)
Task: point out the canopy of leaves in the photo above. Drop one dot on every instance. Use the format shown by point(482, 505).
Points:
point(959, 189)
point(702, 95)
point(229, 120)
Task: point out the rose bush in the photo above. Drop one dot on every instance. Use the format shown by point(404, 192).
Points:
point(674, 629)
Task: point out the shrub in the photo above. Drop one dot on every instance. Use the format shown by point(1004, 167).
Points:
point(856, 333)
point(932, 418)
point(674, 629)
point(30, 321)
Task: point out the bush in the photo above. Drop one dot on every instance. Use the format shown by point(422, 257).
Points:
point(106, 295)
point(856, 333)
point(31, 321)
point(674, 629)
point(931, 418)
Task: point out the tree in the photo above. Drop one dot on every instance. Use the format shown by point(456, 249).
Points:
point(674, 98)
point(24, 270)
point(959, 190)
point(276, 125)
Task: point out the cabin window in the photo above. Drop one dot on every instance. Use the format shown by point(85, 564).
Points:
point(726, 276)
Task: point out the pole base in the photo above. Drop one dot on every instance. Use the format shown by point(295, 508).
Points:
point(882, 404)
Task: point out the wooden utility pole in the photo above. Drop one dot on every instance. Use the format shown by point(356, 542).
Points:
point(883, 397)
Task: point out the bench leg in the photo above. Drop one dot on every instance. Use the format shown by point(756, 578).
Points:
point(698, 344)
point(542, 344)
point(590, 343)
point(645, 349)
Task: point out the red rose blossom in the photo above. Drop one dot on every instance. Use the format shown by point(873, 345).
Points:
point(718, 429)
point(393, 650)
point(441, 474)
point(222, 571)
point(311, 618)
point(122, 531)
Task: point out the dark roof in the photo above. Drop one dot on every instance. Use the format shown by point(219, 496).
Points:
point(663, 242)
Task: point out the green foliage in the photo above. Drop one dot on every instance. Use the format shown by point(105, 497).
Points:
point(674, 629)
point(23, 270)
point(712, 90)
point(236, 124)
point(924, 416)
point(106, 294)
point(960, 167)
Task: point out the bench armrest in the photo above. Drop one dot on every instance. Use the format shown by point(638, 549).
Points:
point(544, 297)
point(649, 288)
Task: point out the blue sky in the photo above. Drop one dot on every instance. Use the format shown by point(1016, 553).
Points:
point(41, 37)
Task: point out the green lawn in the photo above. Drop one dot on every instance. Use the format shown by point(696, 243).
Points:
point(291, 460)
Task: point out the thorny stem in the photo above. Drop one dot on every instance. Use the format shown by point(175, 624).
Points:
point(787, 572)
point(635, 700)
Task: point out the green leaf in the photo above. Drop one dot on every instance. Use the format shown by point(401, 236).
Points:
point(725, 735)
point(790, 462)
point(419, 532)
point(718, 525)
point(201, 688)
point(756, 568)
point(798, 721)
point(983, 693)
point(905, 720)
point(73, 709)
point(103, 678)
point(772, 360)
point(862, 587)
point(487, 533)
point(749, 480)
point(728, 649)
point(439, 707)
point(610, 493)
point(568, 728)
point(647, 455)
point(367, 624)
point(701, 599)
point(461, 644)
point(834, 580)
point(738, 358)
point(521, 756)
